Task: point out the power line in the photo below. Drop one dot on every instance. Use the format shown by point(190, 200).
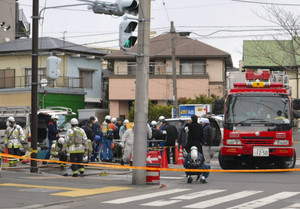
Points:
point(265, 3)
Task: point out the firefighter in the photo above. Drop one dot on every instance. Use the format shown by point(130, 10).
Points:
point(14, 136)
point(76, 140)
point(59, 151)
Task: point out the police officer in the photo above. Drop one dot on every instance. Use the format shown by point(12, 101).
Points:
point(76, 140)
point(14, 135)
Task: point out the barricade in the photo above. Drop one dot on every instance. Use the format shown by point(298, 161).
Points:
point(153, 161)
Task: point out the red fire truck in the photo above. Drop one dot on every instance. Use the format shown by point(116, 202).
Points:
point(258, 124)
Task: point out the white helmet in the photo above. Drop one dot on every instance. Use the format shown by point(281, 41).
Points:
point(194, 153)
point(54, 117)
point(205, 121)
point(96, 119)
point(74, 121)
point(153, 123)
point(114, 120)
point(61, 140)
point(107, 117)
point(161, 118)
point(11, 119)
point(126, 121)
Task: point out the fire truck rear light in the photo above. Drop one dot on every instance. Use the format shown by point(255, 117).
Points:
point(280, 135)
point(234, 135)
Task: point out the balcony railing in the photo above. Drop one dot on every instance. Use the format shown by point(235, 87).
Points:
point(184, 69)
point(25, 82)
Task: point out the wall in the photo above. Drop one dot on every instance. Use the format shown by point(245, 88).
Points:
point(15, 99)
point(215, 69)
point(82, 62)
point(7, 15)
point(120, 67)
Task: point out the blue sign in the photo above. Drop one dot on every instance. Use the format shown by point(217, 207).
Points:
point(186, 111)
point(174, 115)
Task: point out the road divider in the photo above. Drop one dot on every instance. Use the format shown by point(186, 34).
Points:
point(152, 168)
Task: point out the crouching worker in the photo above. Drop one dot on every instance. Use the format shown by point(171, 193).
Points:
point(76, 140)
point(59, 151)
point(195, 160)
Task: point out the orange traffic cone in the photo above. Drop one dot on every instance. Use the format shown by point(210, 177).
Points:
point(164, 161)
point(5, 159)
point(176, 153)
point(180, 158)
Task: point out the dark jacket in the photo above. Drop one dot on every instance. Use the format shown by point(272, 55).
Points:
point(52, 131)
point(88, 131)
point(182, 136)
point(172, 134)
point(195, 137)
point(207, 135)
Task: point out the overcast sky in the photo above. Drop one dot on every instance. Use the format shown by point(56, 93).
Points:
point(223, 24)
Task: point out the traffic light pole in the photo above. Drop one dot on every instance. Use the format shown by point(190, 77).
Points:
point(141, 94)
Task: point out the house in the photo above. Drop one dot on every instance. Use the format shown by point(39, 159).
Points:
point(13, 23)
point(200, 69)
point(79, 83)
point(278, 56)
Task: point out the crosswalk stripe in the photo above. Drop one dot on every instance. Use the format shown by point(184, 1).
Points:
point(223, 199)
point(145, 196)
point(265, 201)
point(198, 194)
point(160, 203)
point(293, 206)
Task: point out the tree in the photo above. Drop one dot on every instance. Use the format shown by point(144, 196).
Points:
point(154, 111)
point(277, 54)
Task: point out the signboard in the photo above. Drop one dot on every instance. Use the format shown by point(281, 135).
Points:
point(186, 111)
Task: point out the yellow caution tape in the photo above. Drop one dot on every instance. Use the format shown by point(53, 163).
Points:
point(157, 168)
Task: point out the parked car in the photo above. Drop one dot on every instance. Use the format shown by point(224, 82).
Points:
point(217, 134)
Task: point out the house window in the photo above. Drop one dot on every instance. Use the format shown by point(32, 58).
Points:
point(86, 78)
point(192, 67)
point(7, 78)
point(28, 75)
point(131, 68)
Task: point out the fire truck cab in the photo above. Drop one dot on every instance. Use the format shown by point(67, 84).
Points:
point(257, 124)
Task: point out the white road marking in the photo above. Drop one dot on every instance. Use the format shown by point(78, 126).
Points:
point(160, 203)
point(293, 206)
point(145, 196)
point(223, 199)
point(265, 200)
point(194, 195)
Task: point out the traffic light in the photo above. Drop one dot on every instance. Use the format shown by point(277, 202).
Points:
point(128, 6)
point(126, 39)
point(52, 67)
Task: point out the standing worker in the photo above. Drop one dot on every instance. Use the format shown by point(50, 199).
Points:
point(195, 134)
point(171, 139)
point(127, 145)
point(107, 130)
point(123, 128)
point(76, 140)
point(52, 134)
point(14, 135)
point(207, 138)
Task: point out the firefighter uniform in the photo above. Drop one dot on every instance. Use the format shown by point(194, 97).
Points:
point(76, 140)
point(14, 135)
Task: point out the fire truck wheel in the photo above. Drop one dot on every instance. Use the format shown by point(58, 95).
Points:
point(225, 163)
point(287, 163)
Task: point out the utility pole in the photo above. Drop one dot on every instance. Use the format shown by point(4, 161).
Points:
point(34, 83)
point(175, 102)
point(141, 94)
